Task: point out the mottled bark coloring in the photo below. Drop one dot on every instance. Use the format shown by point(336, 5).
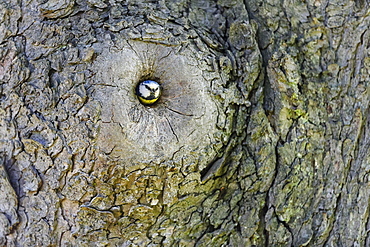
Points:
point(260, 138)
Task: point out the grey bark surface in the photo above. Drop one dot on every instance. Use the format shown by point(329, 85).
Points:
point(261, 136)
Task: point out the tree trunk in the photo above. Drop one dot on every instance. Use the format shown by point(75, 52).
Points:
point(260, 137)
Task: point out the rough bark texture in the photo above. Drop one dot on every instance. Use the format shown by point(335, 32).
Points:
point(261, 136)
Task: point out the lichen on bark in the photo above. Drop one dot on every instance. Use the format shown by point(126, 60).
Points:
point(259, 139)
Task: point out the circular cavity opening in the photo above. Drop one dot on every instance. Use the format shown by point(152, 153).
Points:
point(148, 92)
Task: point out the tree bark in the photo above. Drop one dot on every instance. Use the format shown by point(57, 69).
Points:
point(260, 138)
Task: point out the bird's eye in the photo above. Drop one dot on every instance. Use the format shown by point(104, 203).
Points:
point(145, 97)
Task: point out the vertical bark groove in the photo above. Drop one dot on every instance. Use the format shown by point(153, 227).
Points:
point(261, 136)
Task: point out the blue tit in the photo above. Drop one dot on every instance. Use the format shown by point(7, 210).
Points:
point(148, 92)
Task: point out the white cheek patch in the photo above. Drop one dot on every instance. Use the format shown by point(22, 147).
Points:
point(157, 92)
point(144, 91)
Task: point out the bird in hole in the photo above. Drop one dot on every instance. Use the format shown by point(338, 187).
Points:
point(148, 92)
